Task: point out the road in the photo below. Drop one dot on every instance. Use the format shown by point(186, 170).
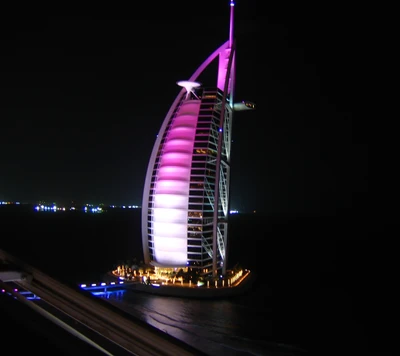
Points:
point(87, 318)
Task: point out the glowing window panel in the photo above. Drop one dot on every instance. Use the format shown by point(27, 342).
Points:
point(171, 191)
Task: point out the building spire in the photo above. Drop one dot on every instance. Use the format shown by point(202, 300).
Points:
point(225, 53)
point(231, 22)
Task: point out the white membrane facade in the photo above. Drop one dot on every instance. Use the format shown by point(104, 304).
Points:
point(171, 198)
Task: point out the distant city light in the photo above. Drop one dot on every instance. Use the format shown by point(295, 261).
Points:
point(42, 206)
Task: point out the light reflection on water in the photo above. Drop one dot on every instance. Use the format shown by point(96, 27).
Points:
point(214, 326)
point(317, 283)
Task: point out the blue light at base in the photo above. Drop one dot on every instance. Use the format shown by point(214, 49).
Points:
point(107, 294)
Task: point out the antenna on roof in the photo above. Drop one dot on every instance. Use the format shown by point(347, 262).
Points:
point(231, 24)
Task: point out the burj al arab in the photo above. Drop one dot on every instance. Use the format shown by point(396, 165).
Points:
point(186, 195)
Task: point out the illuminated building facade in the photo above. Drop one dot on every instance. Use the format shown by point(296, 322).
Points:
point(186, 193)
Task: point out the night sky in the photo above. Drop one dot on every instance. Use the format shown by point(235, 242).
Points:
point(83, 97)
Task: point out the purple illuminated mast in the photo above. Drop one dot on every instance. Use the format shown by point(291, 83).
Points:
point(231, 39)
point(223, 65)
point(185, 204)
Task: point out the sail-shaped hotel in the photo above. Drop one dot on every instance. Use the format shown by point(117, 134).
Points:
point(185, 203)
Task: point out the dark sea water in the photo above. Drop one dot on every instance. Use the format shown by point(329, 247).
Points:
point(312, 294)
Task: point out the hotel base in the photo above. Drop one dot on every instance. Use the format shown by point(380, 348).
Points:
point(187, 290)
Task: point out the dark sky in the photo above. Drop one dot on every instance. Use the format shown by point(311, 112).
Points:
point(83, 98)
